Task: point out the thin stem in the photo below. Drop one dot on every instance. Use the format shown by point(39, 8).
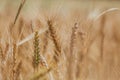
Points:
point(19, 10)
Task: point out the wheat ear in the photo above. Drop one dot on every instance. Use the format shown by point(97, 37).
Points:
point(36, 57)
point(39, 58)
point(71, 56)
point(55, 40)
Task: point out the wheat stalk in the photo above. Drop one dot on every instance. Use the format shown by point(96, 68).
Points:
point(55, 40)
point(38, 58)
point(14, 60)
point(71, 56)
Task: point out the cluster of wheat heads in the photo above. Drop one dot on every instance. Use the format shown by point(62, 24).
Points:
point(61, 48)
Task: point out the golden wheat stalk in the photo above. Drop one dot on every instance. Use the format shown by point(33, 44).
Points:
point(14, 59)
point(38, 58)
point(55, 40)
point(73, 37)
point(71, 57)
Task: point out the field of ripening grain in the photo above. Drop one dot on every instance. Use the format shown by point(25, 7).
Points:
point(59, 40)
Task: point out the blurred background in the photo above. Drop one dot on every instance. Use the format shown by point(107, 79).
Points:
point(33, 7)
point(96, 49)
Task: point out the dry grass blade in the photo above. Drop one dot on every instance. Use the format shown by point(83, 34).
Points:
point(17, 71)
point(39, 75)
point(31, 36)
point(20, 7)
point(106, 11)
point(102, 35)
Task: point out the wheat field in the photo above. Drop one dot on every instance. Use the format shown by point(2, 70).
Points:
point(59, 40)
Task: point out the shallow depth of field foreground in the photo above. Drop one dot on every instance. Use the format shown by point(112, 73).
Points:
point(59, 40)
